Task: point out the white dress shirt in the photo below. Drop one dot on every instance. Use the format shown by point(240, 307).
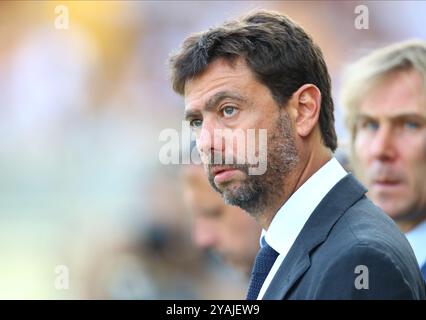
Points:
point(290, 219)
point(417, 240)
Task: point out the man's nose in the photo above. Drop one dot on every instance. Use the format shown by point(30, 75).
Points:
point(383, 144)
point(209, 140)
point(203, 235)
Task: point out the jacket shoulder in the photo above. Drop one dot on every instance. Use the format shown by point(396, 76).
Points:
point(365, 238)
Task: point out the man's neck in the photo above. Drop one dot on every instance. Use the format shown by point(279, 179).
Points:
point(292, 183)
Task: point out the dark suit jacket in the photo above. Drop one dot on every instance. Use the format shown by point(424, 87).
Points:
point(345, 231)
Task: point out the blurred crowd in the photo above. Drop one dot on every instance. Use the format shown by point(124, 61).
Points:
point(81, 110)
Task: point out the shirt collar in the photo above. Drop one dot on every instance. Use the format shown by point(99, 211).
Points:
point(292, 216)
point(417, 240)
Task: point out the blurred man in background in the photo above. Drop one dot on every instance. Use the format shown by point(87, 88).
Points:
point(384, 95)
point(227, 230)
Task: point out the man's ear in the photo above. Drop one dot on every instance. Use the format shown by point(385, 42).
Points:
point(307, 102)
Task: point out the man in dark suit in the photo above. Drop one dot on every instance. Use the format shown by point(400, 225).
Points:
point(384, 95)
point(261, 80)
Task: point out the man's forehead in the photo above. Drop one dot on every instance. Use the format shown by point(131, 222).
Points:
point(396, 85)
point(390, 104)
point(393, 105)
point(219, 74)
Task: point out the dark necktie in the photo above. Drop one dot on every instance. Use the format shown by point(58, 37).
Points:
point(264, 260)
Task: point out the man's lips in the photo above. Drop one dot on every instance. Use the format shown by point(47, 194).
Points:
point(385, 178)
point(216, 170)
point(386, 184)
point(221, 174)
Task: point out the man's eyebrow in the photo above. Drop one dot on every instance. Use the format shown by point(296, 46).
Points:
point(363, 116)
point(409, 116)
point(213, 102)
point(190, 114)
point(395, 117)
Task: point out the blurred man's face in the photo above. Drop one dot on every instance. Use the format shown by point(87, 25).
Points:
point(390, 146)
point(229, 97)
point(228, 230)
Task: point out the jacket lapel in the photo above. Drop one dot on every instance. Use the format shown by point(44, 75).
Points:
point(424, 271)
point(342, 196)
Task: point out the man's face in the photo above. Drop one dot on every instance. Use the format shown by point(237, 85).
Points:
point(228, 230)
point(229, 97)
point(390, 145)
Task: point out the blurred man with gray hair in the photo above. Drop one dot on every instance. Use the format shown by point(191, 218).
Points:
point(384, 96)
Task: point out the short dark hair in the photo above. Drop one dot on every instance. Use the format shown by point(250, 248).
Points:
point(281, 55)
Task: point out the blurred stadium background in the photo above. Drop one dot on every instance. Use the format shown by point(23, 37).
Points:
point(81, 110)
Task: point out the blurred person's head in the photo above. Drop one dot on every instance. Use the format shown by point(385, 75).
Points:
point(261, 71)
point(384, 95)
point(227, 230)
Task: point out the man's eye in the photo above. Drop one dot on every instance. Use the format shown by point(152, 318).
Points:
point(370, 125)
point(411, 125)
point(213, 213)
point(196, 123)
point(229, 111)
